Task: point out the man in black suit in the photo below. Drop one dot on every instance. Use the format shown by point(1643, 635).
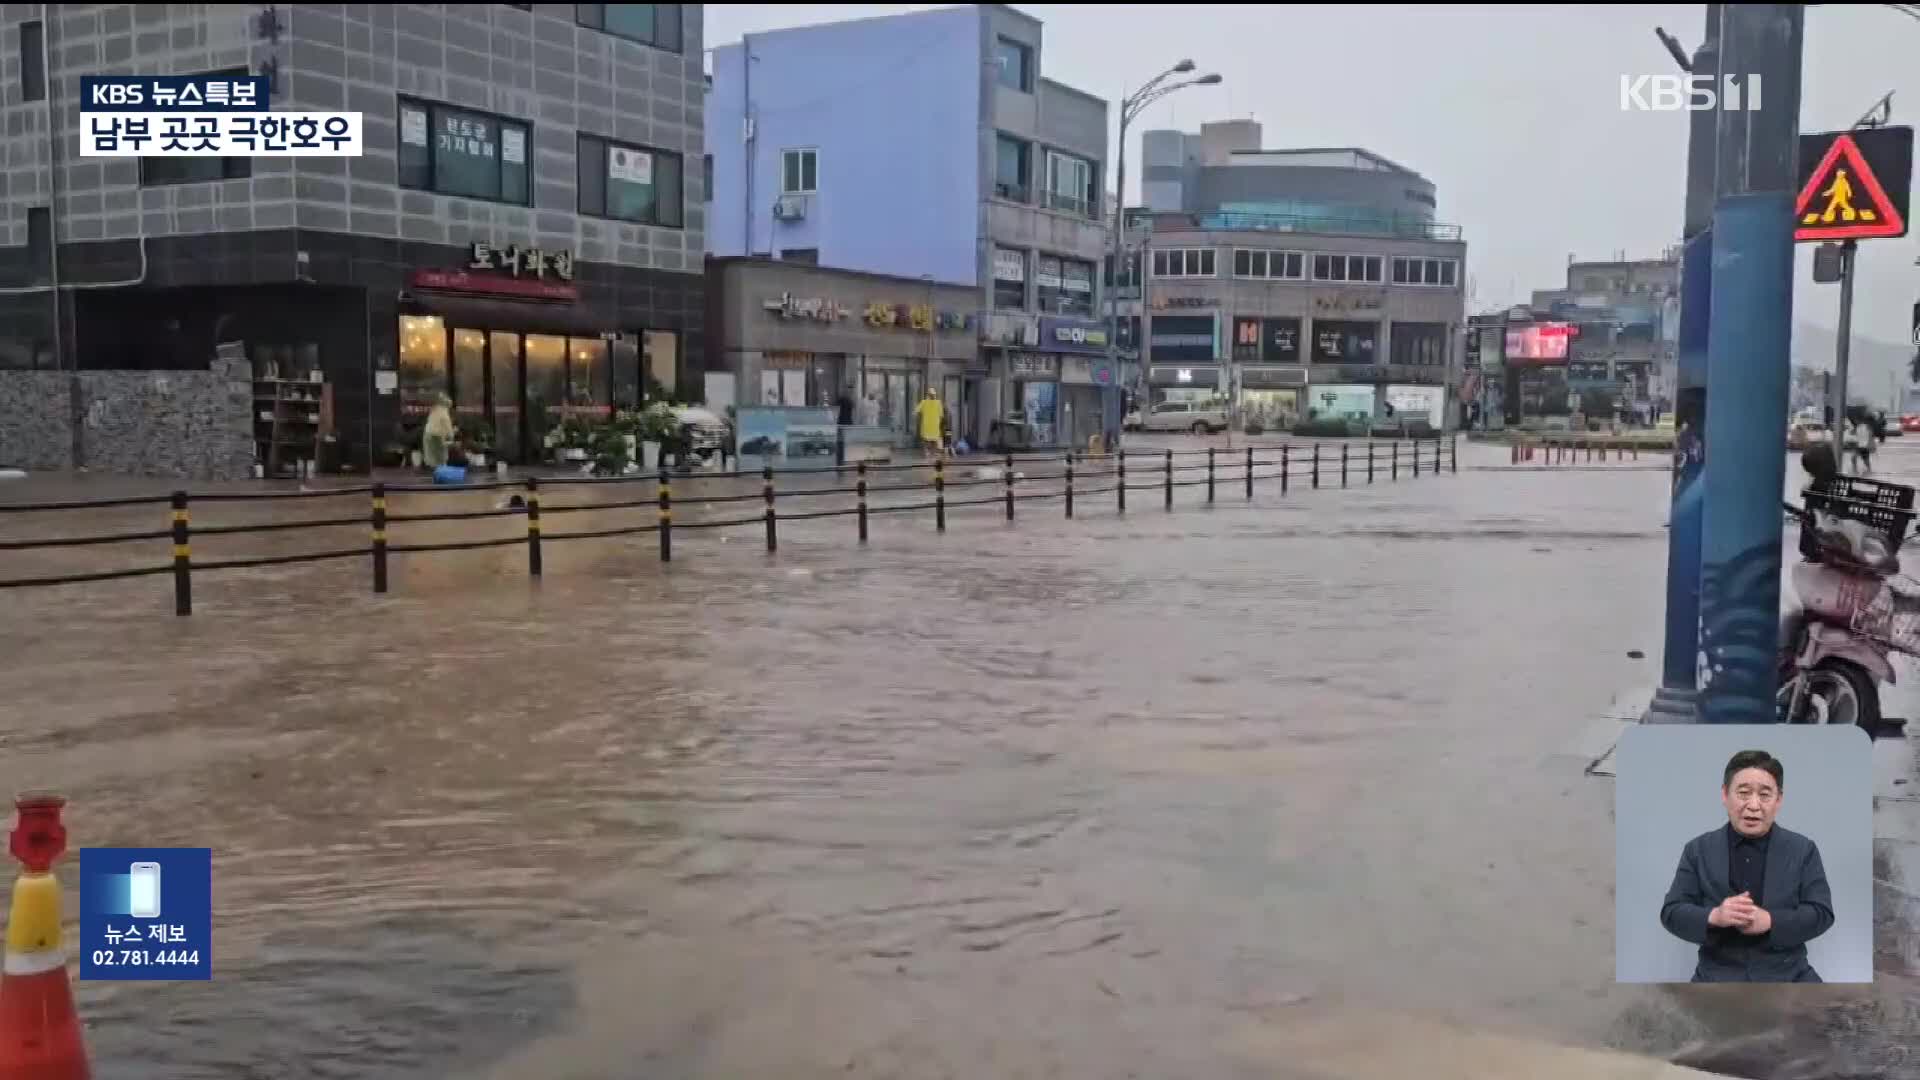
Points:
point(1752, 893)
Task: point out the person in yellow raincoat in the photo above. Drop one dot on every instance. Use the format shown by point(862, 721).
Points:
point(928, 418)
point(438, 434)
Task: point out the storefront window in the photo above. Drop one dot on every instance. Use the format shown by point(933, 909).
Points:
point(662, 349)
point(589, 390)
point(469, 374)
point(546, 385)
point(423, 362)
point(625, 363)
point(506, 395)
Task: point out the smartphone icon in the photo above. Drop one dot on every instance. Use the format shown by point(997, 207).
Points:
point(143, 890)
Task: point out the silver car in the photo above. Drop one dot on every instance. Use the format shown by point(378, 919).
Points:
point(1199, 417)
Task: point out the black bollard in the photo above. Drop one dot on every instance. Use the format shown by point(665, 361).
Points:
point(1169, 480)
point(379, 538)
point(1209, 475)
point(773, 519)
point(533, 527)
point(1343, 464)
point(860, 487)
point(1069, 483)
point(666, 518)
point(1009, 479)
point(940, 493)
point(1286, 468)
point(1121, 487)
point(1369, 461)
point(1316, 466)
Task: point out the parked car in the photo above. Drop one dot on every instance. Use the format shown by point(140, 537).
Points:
point(1201, 418)
point(1803, 434)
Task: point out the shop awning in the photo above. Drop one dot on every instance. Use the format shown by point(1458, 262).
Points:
point(480, 313)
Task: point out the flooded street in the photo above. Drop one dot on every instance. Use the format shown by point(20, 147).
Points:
point(1161, 795)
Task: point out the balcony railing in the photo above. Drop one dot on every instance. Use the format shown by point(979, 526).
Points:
point(1073, 204)
point(1360, 224)
point(1014, 192)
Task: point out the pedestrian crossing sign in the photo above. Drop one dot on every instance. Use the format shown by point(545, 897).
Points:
point(1844, 196)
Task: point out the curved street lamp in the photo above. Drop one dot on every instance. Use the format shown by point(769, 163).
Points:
point(1131, 107)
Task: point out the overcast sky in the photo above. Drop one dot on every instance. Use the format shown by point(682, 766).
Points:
point(1512, 112)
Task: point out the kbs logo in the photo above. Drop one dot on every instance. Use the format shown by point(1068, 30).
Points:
point(1689, 93)
point(116, 94)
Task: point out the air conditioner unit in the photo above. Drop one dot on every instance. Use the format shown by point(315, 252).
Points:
point(790, 208)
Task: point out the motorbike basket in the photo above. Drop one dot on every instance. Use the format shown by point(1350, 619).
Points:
point(1887, 508)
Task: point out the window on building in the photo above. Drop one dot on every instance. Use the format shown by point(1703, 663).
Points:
point(1016, 65)
point(1129, 271)
point(1009, 279)
point(40, 242)
point(630, 183)
point(1183, 262)
point(657, 25)
point(33, 71)
point(1419, 344)
point(1063, 286)
point(1013, 163)
point(1346, 268)
point(1408, 270)
point(461, 152)
point(799, 172)
point(808, 256)
point(1269, 265)
point(706, 178)
point(1070, 184)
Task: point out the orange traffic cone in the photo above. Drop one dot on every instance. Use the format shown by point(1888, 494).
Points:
point(39, 1030)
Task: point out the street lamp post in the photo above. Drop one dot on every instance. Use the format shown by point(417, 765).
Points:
point(1131, 106)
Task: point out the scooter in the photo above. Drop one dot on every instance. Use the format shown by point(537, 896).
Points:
point(1837, 648)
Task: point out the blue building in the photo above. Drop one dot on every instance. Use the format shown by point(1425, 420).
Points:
point(927, 146)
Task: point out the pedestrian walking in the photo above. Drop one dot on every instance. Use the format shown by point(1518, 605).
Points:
point(438, 433)
point(1860, 438)
point(929, 417)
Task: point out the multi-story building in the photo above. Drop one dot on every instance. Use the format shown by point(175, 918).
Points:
point(928, 146)
point(1295, 284)
point(524, 231)
point(1623, 350)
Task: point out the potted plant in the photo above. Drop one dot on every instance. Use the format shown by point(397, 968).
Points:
point(476, 441)
point(659, 426)
point(609, 449)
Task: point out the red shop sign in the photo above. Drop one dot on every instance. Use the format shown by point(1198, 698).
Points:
point(467, 281)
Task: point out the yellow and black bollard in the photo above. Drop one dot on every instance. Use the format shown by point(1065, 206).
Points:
point(182, 558)
point(378, 527)
point(666, 518)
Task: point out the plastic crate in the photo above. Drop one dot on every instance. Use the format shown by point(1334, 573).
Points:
point(1878, 504)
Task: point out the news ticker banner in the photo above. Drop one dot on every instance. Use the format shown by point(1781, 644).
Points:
point(146, 914)
point(204, 116)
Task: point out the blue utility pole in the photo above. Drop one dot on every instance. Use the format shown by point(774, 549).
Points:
point(1748, 368)
point(1674, 702)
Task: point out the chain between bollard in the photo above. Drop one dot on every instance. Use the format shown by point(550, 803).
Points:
point(182, 557)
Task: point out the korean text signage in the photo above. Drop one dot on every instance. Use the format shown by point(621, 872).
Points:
point(146, 914)
point(811, 308)
point(211, 116)
point(1033, 366)
point(524, 273)
point(921, 317)
point(1071, 335)
point(1854, 185)
point(1182, 338)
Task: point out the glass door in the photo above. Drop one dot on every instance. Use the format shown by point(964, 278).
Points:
point(503, 362)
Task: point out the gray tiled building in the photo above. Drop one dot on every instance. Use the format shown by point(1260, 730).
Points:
point(568, 135)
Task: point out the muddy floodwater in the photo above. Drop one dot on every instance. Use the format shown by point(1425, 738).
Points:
point(1146, 796)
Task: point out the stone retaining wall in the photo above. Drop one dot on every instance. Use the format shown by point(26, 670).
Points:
point(191, 425)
